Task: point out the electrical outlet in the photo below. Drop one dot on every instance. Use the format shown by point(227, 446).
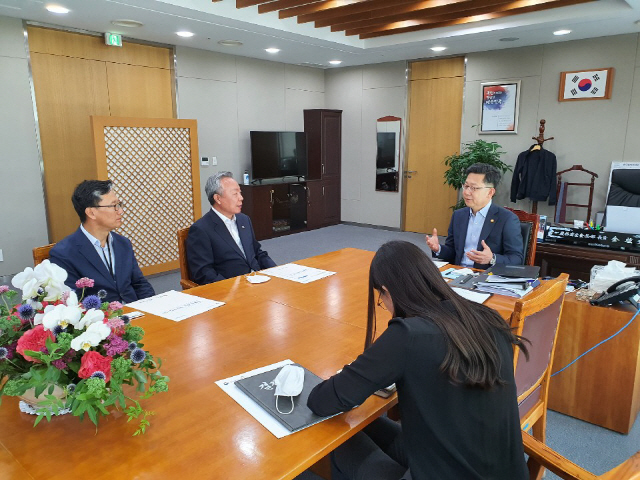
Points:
point(1, 257)
point(214, 160)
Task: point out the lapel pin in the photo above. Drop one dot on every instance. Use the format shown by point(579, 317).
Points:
point(492, 220)
point(243, 225)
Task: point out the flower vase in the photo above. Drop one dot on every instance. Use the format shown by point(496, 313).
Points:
point(30, 404)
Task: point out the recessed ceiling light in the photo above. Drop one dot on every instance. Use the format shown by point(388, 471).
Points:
point(127, 23)
point(230, 43)
point(57, 9)
point(438, 49)
point(509, 39)
point(562, 32)
point(637, 22)
point(272, 50)
point(185, 34)
point(335, 62)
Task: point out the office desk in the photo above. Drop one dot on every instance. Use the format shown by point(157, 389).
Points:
point(603, 387)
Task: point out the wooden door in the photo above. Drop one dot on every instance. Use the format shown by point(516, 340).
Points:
point(331, 196)
point(435, 117)
point(315, 204)
point(257, 204)
point(331, 143)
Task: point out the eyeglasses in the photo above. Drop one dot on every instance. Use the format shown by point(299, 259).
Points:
point(116, 207)
point(380, 303)
point(472, 189)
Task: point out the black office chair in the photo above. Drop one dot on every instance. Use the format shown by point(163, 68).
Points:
point(529, 224)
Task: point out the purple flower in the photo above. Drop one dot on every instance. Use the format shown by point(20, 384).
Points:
point(138, 355)
point(125, 319)
point(84, 282)
point(4, 352)
point(4, 288)
point(133, 346)
point(115, 345)
point(26, 312)
point(63, 362)
point(99, 374)
point(57, 330)
point(60, 364)
point(92, 301)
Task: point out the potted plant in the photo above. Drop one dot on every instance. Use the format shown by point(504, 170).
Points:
point(477, 151)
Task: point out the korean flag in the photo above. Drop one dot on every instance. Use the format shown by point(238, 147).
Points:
point(585, 84)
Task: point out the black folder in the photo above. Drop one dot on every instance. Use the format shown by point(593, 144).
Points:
point(261, 389)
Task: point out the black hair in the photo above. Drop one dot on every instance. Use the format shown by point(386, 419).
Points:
point(88, 194)
point(417, 289)
point(492, 175)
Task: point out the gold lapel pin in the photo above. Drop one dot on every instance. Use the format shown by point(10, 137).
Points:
point(492, 220)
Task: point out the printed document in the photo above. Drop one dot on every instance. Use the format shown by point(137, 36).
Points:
point(297, 273)
point(175, 306)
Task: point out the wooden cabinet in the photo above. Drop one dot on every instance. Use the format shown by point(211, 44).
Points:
point(257, 205)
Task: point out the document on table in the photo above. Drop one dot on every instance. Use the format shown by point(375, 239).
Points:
point(255, 410)
point(174, 305)
point(297, 273)
point(439, 263)
point(473, 296)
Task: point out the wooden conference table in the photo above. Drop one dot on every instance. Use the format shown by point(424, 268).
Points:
point(198, 430)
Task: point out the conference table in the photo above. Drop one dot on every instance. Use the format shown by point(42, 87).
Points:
point(198, 431)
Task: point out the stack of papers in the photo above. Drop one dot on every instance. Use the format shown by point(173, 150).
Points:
point(297, 273)
point(511, 287)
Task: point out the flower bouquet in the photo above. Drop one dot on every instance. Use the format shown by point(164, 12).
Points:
point(67, 354)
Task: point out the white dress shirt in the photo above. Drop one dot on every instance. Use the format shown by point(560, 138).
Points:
point(232, 226)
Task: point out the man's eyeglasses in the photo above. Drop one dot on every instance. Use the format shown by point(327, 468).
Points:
point(116, 207)
point(472, 189)
point(380, 303)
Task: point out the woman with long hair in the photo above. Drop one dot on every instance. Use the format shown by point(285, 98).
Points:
point(452, 363)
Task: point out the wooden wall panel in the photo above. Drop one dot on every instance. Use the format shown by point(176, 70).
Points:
point(68, 90)
point(90, 47)
point(136, 91)
point(435, 118)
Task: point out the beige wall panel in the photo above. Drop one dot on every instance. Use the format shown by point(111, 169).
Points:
point(58, 42)
point(380, 75)
point(139, 91)
point(446, 67)
point(304, 78)
point(432, 136)
point(68, 90)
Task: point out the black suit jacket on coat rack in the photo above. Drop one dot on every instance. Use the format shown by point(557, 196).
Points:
point(535, 176)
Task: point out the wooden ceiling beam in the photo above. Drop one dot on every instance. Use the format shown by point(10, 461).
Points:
point(285, 4)
point(472, 19)
point(391, 14)
point(332, 9)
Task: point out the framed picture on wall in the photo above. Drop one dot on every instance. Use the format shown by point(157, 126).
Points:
point(500, 105)
point(586, 85)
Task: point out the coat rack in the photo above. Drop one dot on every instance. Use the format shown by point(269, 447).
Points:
point(540, 139)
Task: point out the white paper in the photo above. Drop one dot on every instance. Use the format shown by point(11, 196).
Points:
point(453, 273)
point(473, 296)
point(174, 305)
point(297, 273)
point(439, 263)
point(256, 411)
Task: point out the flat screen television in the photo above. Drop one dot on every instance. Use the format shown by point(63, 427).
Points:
point(386, 157)
point(278, 154)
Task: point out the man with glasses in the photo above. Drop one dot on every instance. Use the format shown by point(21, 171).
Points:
point(96, 252)
point(482, 234)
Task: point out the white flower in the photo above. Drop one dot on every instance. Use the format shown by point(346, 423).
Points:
point(90, 317)
point(23, 277)
point(91, 338)
point(72, 299)
point(54, 291)
point(30, 288)
point(37, 320)
point(50, 273)
point(61, 315)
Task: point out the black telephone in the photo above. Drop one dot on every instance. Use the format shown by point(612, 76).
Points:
point(620, 291)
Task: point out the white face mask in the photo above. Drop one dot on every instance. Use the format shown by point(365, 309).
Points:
point(289, 383)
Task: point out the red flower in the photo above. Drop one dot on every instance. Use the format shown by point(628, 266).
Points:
point(92, 362)
point(34, 340)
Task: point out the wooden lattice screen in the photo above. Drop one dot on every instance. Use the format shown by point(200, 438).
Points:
point(154, 166)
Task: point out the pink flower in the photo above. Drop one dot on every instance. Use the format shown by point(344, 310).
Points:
point(115, 323)
point(115, 306)
point(34, 340)
point(115, 345)
point(4, 288)
point(84, 282)
point(92, 362)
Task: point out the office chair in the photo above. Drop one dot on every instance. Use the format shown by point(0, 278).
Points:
point(536, 318)
point(541, 456)
point(185, 277)
point(529, 225)
point(41, 253)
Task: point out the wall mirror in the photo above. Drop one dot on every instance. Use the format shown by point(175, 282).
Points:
point(388, 153)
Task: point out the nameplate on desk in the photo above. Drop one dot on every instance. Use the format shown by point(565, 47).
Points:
point(593, 238)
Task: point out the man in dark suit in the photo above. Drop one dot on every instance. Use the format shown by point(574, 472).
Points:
point(96, 252)
point(482, 234)
point(222, 243)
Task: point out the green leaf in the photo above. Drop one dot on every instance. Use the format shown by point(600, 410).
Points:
point(38, 419)
point(92, 414)
point(140, 376)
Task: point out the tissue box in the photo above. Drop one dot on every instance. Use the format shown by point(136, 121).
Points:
point(603, 276)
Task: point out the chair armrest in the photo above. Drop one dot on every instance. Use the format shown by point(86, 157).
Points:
point(187, 284)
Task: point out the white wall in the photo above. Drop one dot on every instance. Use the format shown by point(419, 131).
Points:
point(230, 96)
point(365, 94)
point(591, 133)
point(22, 213)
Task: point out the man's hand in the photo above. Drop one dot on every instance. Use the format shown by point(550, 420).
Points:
point(432, 241)
point(483, 257)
